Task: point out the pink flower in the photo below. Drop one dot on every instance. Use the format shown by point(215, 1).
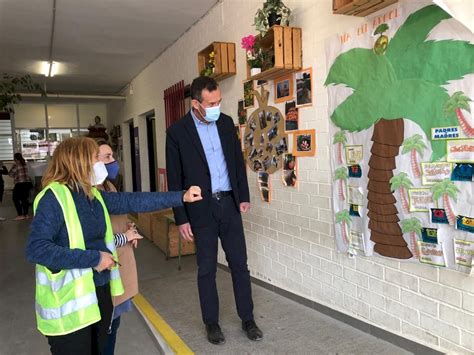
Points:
point(248, 42)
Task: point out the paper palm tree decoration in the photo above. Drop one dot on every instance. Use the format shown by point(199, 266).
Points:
point(413, 145)
point(413, 226)
point(341, 140)
point(344, 218)
point(446, 189)
point(405, 81)
point(455, 104)
point(401, 183)
point(340, 174)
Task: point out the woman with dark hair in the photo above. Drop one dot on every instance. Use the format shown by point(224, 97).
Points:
point(23, 185)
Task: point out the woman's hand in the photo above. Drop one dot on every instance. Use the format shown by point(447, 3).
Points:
point(133, 236)
point(193, 194)
point(106, 262)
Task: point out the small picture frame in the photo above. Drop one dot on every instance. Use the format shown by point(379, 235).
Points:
point(242, 113)
point(304, 143)
point(283, 88)
point(304, 87)
point(291, 116)
point(249, 97)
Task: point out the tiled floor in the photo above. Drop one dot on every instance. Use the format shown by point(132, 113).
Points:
point(289, 327)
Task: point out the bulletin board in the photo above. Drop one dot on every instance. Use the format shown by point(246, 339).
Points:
point(400, 101)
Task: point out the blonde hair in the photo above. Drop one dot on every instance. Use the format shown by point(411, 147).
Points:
point(72, 164)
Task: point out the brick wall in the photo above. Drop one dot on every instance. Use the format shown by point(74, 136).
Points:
point(291, 241)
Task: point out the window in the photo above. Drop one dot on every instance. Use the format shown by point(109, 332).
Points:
point(6, 141)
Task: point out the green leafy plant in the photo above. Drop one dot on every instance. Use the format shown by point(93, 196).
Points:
point(340, 139)
point(10, 86)
point(401, 182)
point(344, 218)
point(340, 174)
point(271, 7)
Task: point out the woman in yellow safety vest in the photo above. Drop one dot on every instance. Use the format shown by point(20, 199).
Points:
point(71, 242)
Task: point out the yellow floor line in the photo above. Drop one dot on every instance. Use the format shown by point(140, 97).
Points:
point(174, 341)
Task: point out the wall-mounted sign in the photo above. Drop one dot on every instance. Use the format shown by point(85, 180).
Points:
point(435, 172)
point(354, 154)
point(432, 254)
point(460, 151)
point(420, 200)
point(444, 133)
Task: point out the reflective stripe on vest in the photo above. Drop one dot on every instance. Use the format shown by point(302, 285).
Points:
point(70, 275)
point(67, 301)
point(74, 305)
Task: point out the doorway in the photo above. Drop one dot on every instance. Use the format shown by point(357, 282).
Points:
point(151, 145)
point(135, 155)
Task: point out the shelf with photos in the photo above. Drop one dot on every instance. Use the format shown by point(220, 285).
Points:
point(280, 52)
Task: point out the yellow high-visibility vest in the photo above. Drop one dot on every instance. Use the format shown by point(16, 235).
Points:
point(66, 301)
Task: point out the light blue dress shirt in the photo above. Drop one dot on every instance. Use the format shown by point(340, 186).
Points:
point(211, 143)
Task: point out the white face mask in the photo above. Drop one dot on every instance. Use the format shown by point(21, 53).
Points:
point(99, 173)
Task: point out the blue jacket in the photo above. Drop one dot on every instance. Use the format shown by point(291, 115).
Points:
point(48, 242)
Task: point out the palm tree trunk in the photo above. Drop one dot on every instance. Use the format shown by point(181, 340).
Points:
point(341, 190)
point(388, 237)
point(414, 245)
point(339, 153)
point(403, 197)
point(465, 126)
point(344, 233)
point(414, 164)
point(449, 210)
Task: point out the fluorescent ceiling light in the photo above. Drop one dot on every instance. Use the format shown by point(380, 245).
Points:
point(49, 69)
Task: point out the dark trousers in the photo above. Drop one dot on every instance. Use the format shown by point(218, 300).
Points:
point(21, 192)
point(226, 225)
point(90, 340)
point(112, 338)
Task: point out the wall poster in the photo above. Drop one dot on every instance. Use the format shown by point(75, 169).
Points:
point(401, 94)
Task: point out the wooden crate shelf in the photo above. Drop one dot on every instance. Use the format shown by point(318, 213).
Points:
point(359, 7)
point(224, 59)
point(285, 44)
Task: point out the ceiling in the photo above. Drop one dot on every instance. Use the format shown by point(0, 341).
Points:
point(100, 45)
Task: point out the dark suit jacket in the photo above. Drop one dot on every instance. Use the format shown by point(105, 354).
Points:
point(186, 166)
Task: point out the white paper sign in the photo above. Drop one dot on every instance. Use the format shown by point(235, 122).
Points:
point(460, 151)
point(420, 199)
point(464, 252)
point(435, 172)
point(356, 243)
point(431, 253)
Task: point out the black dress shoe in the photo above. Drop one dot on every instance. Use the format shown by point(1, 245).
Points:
point(214, 334)
point(253, 332)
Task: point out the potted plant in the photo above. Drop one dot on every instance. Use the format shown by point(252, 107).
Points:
point(254, 54)
point(9, 91)
point(210, 66)
point(274, 12)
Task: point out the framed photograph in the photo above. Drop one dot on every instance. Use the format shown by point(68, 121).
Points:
point(242, 113)
point(291, 116)
point(289, 175)
point(283, 88)
point(248, 94)
point(304, 87)
point(304, 143)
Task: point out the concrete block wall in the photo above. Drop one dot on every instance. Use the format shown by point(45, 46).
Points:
point(291, 240)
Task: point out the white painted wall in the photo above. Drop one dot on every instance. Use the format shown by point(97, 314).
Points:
point(291, 241)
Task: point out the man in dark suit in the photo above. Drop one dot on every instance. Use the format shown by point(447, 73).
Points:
point(202, 149)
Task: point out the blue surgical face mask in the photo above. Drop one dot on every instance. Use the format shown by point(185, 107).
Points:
point(212, 113)
point(112, 169)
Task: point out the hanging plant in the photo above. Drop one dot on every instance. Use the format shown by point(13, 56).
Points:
point(10, 86)
point(273, 12)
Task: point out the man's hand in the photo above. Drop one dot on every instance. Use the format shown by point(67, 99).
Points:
point(245, 207)
point(193, 194)
point(106, 262)
point(186, 232)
